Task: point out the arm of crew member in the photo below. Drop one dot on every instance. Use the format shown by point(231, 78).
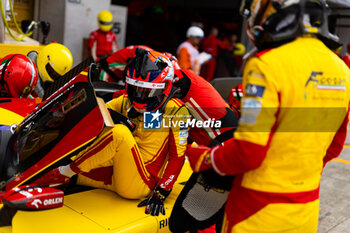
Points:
point(260, 107)
point(337, 144)
point(184, 59)
point(93, 51)
point(114, 47)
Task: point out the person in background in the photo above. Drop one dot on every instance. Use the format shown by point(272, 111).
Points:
point(53, 61)
point(290, 126)
point(187, 52)
point(18, 76)
point(113, 65)
point(103, 41)
point(211, 44)
point(346, 57)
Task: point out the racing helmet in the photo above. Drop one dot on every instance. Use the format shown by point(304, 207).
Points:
point(194, 31)
point(239, 49)
point(173, 60)
point(19, 76)
point(105, 20)
point(274, 22)
point(53, 61)
point(149, 79)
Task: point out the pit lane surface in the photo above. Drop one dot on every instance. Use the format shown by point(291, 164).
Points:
point(334, 216)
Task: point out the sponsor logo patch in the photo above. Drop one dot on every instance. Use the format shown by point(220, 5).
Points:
point(251, 108)
point(182, 141)
point(254, 90)
point(321, 82)
point(183, 134)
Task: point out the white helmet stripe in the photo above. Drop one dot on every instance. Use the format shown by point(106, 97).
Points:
point(150, 85)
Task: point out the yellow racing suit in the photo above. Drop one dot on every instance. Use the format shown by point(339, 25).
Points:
point(294, 115)
point(131, 164)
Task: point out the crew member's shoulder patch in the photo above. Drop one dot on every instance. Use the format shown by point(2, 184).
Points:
point(250, 111)
point(255, 73)
point(254, 90)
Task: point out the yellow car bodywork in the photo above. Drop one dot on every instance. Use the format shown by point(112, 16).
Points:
point(97, 211)
point(6, 49)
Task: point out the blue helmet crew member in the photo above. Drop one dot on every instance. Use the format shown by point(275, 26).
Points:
point(287, 109)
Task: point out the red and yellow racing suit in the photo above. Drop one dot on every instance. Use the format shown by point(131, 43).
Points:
point(294, 119)
point(131, 164)
point(205, 104)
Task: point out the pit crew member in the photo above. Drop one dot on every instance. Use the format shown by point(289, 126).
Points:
point(294, 119)
point(18, 76)
point(103, 41)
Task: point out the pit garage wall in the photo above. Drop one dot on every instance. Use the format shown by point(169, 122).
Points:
point(52, 11)
point(342, 27)
point(80, 20)
point(73, 20)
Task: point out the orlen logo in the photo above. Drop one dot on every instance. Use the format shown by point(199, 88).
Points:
point(36, 203)
point(53, 201)
point(47, 203)
point(157, 85)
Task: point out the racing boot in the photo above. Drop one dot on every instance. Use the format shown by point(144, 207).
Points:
point(53, 177)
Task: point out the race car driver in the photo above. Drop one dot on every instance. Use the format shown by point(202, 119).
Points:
point(113, 65)
point(103, 41)
point(18, 76)
point(147, 161)
point(296, 96)
point(53, 61)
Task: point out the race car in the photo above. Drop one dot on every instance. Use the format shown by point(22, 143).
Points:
point(66, 122)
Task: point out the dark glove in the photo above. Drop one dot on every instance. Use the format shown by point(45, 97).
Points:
point(155, 203)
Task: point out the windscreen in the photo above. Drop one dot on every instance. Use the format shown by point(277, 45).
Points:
point(44, 128)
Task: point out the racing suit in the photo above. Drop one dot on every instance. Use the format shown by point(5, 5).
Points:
point(346, 59)
point(294, 119)
point(205, 103)
point(102, 43)
point(117, 61)
point(132, 164)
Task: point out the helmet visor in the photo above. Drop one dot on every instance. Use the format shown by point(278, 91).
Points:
point(105, 23)
point(51, 72)
point(143, 91)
